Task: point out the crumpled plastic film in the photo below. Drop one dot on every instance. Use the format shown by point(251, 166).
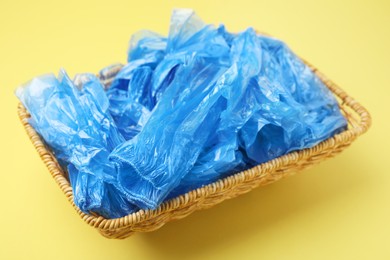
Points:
point(77, 126)
point(186, 110)
point(256, 101)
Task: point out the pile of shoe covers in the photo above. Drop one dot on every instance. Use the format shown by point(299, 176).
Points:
point(185, 111)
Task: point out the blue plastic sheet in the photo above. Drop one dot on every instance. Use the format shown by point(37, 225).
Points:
point(186, 110)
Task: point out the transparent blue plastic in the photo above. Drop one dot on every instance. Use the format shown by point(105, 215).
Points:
point(77, 126)
point(185, 111)
point(222, 103)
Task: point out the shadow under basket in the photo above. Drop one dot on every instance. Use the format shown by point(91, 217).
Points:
point(359, 121)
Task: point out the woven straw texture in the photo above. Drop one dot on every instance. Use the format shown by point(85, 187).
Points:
point(359, 121)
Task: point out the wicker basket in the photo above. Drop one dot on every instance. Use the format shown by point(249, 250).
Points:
point(148, 220)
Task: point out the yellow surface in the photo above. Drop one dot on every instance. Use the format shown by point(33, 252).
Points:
point(337, 210)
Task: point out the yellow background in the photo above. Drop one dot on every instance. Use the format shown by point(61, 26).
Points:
point(339, 209)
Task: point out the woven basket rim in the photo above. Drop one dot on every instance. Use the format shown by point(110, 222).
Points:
point(102, 223)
